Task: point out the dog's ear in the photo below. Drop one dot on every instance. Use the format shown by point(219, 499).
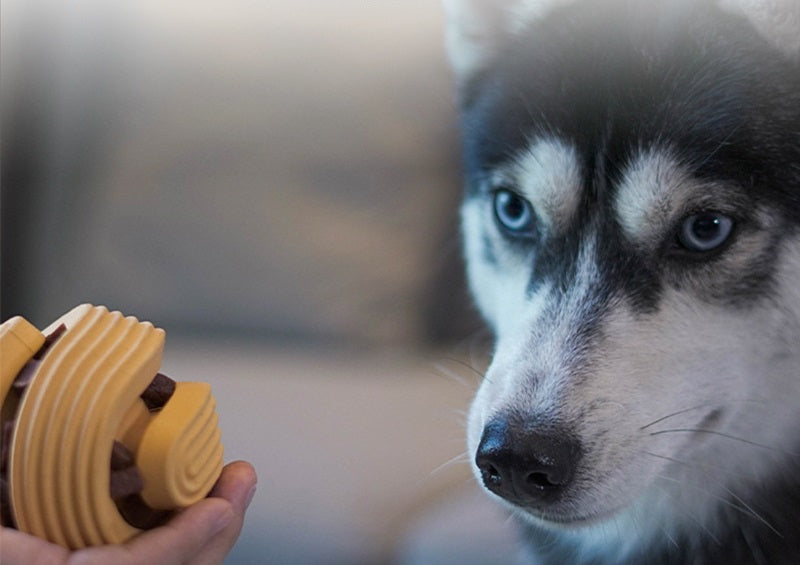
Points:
point(473, 31)
point(778, 21)
point(476, 28)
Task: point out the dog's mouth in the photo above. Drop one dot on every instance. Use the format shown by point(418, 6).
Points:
point(566, 520)
point(567, 510)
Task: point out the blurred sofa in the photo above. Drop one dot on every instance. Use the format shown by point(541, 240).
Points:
point(276, 185)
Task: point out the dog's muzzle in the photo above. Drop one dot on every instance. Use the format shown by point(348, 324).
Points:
point(524, 464)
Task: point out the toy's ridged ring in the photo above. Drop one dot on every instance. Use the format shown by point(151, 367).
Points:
point(84, 396)
point(178, 447)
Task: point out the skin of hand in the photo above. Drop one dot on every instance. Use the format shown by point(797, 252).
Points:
point(202, 534)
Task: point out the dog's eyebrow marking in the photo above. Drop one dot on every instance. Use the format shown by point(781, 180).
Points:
point(548, 174)
point(653, 187)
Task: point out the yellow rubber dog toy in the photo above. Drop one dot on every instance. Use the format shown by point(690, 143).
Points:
point(97, 444)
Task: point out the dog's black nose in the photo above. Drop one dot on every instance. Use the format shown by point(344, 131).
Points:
point(524, 465)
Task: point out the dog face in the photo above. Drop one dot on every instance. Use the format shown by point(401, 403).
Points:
point(631, 232)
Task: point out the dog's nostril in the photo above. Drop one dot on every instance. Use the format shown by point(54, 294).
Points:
point(491, 475)
point(540, 480)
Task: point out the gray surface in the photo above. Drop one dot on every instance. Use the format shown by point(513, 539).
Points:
point(464, 528)
point(351, 448)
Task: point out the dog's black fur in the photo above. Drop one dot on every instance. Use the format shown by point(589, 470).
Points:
point(619, 76)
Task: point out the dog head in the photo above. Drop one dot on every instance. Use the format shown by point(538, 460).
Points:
point(630, 225)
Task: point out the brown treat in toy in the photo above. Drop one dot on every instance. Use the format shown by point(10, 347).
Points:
point(158, 392)
point(139, 514)
point(121, 457)
point(125, 482)
point(5, 446)
point(49, 340)
point(6, 519)
point(25, 375)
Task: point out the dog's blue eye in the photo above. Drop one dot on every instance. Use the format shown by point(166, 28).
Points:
point(514, 213)
point(705, 231)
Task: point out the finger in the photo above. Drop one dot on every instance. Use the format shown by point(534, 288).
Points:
point(233, 490)
point(17, 548)
point(237, 484)
point(211, 526)
point(183, 536)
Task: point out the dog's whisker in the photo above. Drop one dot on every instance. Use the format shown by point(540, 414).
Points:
point(669, 536)
point(743, 509)
point(469, 366)
point(677, 413)
point(467, 380)
point(753, 546)
point(728, 436)
point(443, 371)
point(700, 524)
point(719, 146)
point(698, 407)
point(705, 470)
point(462, 457)
point(752, 512)
point(685, 511)
point(637, 519)
point(705, 467)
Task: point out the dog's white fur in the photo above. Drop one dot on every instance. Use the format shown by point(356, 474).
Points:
point(642, 478)
point(643, 482)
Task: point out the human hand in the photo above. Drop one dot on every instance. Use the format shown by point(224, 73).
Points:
point(202, 534)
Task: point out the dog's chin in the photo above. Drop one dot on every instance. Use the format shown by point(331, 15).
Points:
point(557, 520)
point(569, 516)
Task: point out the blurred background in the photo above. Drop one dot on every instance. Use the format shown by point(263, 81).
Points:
point(276, 184)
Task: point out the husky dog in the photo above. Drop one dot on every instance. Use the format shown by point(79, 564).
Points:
point(631, 226)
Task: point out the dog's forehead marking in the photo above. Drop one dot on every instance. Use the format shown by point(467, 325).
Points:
point(542, 337)
point(548, 173)
point(652, 188)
